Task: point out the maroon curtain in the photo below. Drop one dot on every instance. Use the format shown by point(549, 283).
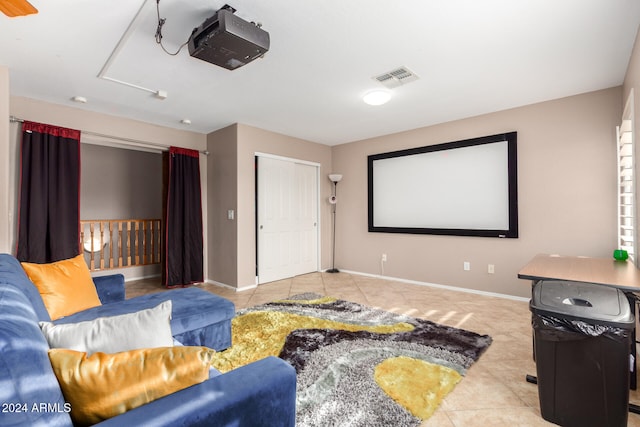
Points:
point(183, 229)
point(49, 206)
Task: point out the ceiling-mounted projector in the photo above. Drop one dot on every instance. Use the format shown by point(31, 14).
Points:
point(227, 40)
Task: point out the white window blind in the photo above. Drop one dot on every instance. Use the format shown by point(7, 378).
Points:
point(626, 187)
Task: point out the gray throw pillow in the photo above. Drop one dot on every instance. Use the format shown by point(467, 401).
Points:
point(143, 329)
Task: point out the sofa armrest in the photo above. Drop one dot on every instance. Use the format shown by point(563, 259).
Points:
point(110, 288)
point(261, 394)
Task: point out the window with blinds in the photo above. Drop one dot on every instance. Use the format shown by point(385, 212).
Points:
point(626, 183)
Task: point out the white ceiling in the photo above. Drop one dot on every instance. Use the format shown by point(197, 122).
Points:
point(472, 57)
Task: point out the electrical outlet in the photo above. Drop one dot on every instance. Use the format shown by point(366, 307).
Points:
point(467, 266)
point(491, 269)
point(384, 257)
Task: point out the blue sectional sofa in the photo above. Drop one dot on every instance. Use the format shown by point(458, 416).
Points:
point(259, 394)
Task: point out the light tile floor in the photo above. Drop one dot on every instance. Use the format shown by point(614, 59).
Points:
point(494, 391)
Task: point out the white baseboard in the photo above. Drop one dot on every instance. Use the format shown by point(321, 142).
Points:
point(148, 276)
point(224, 285)
point(436, 285)
point(395, 279)
point(208, 281)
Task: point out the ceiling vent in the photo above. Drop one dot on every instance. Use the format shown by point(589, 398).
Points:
point(397, 77)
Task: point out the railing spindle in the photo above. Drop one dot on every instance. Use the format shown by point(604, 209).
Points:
point(92, 265)
point(120, 232)
point(111, 260)
point(102, 245)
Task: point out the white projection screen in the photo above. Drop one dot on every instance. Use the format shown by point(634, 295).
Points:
point(463, 188)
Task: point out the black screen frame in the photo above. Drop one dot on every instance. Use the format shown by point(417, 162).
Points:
point(512, 164)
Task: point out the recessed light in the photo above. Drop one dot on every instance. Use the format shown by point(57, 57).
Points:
point(80, 99)
point(377, 97)
point(185, 121)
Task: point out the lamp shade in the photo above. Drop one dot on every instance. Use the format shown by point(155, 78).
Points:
point(335, 177)
point(93, 244)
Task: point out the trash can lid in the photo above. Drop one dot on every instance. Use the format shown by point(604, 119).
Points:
point(589, 302)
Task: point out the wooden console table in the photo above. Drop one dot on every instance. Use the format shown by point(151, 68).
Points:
point(602, 271)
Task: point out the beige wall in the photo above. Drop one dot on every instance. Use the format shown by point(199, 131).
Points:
point(119, 183)
point(566, 192)
point(62, 115)
point(222, 188)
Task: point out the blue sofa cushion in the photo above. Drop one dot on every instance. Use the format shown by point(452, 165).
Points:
point(193, 309)
point(216, 336)
point(110, 288)
point(26, 377)
point(11, 272)
point(261, 394)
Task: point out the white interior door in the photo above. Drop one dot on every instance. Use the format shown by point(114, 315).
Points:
point(287, 218)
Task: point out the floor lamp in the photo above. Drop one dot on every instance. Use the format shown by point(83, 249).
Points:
point(335, 178)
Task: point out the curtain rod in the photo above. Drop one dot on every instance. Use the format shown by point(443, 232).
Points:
point(134, 142)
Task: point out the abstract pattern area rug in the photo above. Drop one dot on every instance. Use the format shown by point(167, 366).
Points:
point(356, 365)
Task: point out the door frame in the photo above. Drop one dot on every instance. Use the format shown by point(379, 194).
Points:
point(317, 165)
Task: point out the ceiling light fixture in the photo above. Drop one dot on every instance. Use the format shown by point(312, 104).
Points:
point(185, 121)
point(377, 97)
point(80, 99)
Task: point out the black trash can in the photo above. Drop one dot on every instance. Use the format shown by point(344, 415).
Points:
point(582, 335)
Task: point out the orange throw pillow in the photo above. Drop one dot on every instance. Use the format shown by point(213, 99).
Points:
point(65, 286)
